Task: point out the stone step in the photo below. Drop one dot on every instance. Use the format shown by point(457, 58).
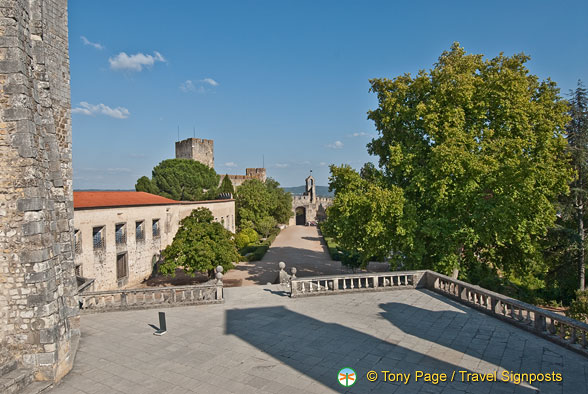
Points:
point(15, 381)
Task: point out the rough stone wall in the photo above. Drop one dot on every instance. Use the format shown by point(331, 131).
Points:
point(39, 323)
point(196, 149)
point(256, 173)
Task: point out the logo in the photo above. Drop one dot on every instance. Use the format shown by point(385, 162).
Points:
point(346, 377)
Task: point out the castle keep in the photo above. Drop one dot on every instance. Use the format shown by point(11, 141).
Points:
point(203, 151)
point(39, 323)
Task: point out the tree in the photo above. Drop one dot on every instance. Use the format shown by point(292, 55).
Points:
point(477, 149)
point(265, 225)
point(365, 219)
point(577, 136)
point(256, 200)
point(181, 179)
point(200, 245)
point(226, 185)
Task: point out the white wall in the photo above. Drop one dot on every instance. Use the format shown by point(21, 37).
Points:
point(102, 265)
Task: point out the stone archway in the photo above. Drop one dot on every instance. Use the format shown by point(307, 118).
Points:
point(300, 216)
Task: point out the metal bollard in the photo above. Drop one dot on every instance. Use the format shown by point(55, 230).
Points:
point(162, 326)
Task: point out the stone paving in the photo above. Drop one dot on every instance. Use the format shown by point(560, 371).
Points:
point(261, 341)
point(299, 246)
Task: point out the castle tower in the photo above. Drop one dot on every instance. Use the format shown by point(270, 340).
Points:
point(196, 149)
point(39, 322)
point(256, 173)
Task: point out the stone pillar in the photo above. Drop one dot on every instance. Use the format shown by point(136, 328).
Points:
point(39, 323)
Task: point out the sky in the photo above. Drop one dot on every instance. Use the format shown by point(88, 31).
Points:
point(280, 83)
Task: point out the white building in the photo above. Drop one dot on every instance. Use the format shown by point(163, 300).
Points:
point(120, 235)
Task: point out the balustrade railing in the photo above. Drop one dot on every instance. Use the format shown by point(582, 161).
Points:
point(104, 301)
point(553, 326)
point(344, 283)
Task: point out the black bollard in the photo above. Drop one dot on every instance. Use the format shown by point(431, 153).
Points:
point(162, 326)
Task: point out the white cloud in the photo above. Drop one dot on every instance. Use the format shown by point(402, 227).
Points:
point(209, 81)
point(230, 164)
point(91, 109)
point(305, 162)
point(94, 44)
point(199, 86)
point(135, 62)
point(281, 165)
point(322, 164)
point(335, 145)
point(187, 86)
point(359, 134)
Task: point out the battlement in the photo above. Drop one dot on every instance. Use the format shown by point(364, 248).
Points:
point(256, 173)
point(198, 149)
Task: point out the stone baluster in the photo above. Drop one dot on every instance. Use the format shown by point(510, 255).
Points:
point(219, 283)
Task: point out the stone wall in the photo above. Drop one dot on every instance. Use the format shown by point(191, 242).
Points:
point(39, 323)
point(196, 149)
point(101, 263)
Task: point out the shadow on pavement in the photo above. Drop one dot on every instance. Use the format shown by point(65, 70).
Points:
point(319, 350)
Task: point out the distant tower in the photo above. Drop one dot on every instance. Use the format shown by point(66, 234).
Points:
point(196, 149)
point(310, 188)
point(256, 173)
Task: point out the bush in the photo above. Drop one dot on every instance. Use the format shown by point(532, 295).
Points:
point(579, 307)
point(251, 234)
point(241, 240)
point(333, 249)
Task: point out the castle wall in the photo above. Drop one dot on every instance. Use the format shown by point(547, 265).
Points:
point(251, 173)
point(39, 322)
point(196, 149)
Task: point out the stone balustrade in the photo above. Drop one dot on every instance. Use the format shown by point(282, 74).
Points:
point(345, 283)
point(150, 297)
point(153, 297)
point(547, 324)
point(557, 328)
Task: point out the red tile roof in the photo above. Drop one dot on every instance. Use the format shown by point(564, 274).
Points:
point(118, 199)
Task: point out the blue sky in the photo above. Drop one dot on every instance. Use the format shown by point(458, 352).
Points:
point(286, 81)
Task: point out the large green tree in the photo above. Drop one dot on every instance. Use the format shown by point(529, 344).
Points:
point(200, 245)
point(256, 201)
point(476, 147)
point(181, 179)
point(365, 218)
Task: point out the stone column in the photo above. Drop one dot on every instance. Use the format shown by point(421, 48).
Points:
point(39, 323)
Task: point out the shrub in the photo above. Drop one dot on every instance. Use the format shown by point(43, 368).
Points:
point(251, 234)
point(579, 307)
point(241, 240)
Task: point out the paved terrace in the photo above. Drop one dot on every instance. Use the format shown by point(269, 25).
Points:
point(261, 341)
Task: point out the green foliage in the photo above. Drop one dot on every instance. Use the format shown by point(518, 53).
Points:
point(256, 200)
point(241, 240)
point(181, 179)
point(251, 234)
point(199, 246)
point(333, 248)
point(365, 219)
point(473, 155)
point(255, 252)
point(579, 307)
point(265, 225)
point(226, 186)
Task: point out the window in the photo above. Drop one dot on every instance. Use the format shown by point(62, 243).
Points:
point(155, 228)
point(140, 231)
point(78, 241)
point(121, 266)
point(120, 234)
point(98, 237)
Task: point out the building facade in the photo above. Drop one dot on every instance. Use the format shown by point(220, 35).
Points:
point(119, 236)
